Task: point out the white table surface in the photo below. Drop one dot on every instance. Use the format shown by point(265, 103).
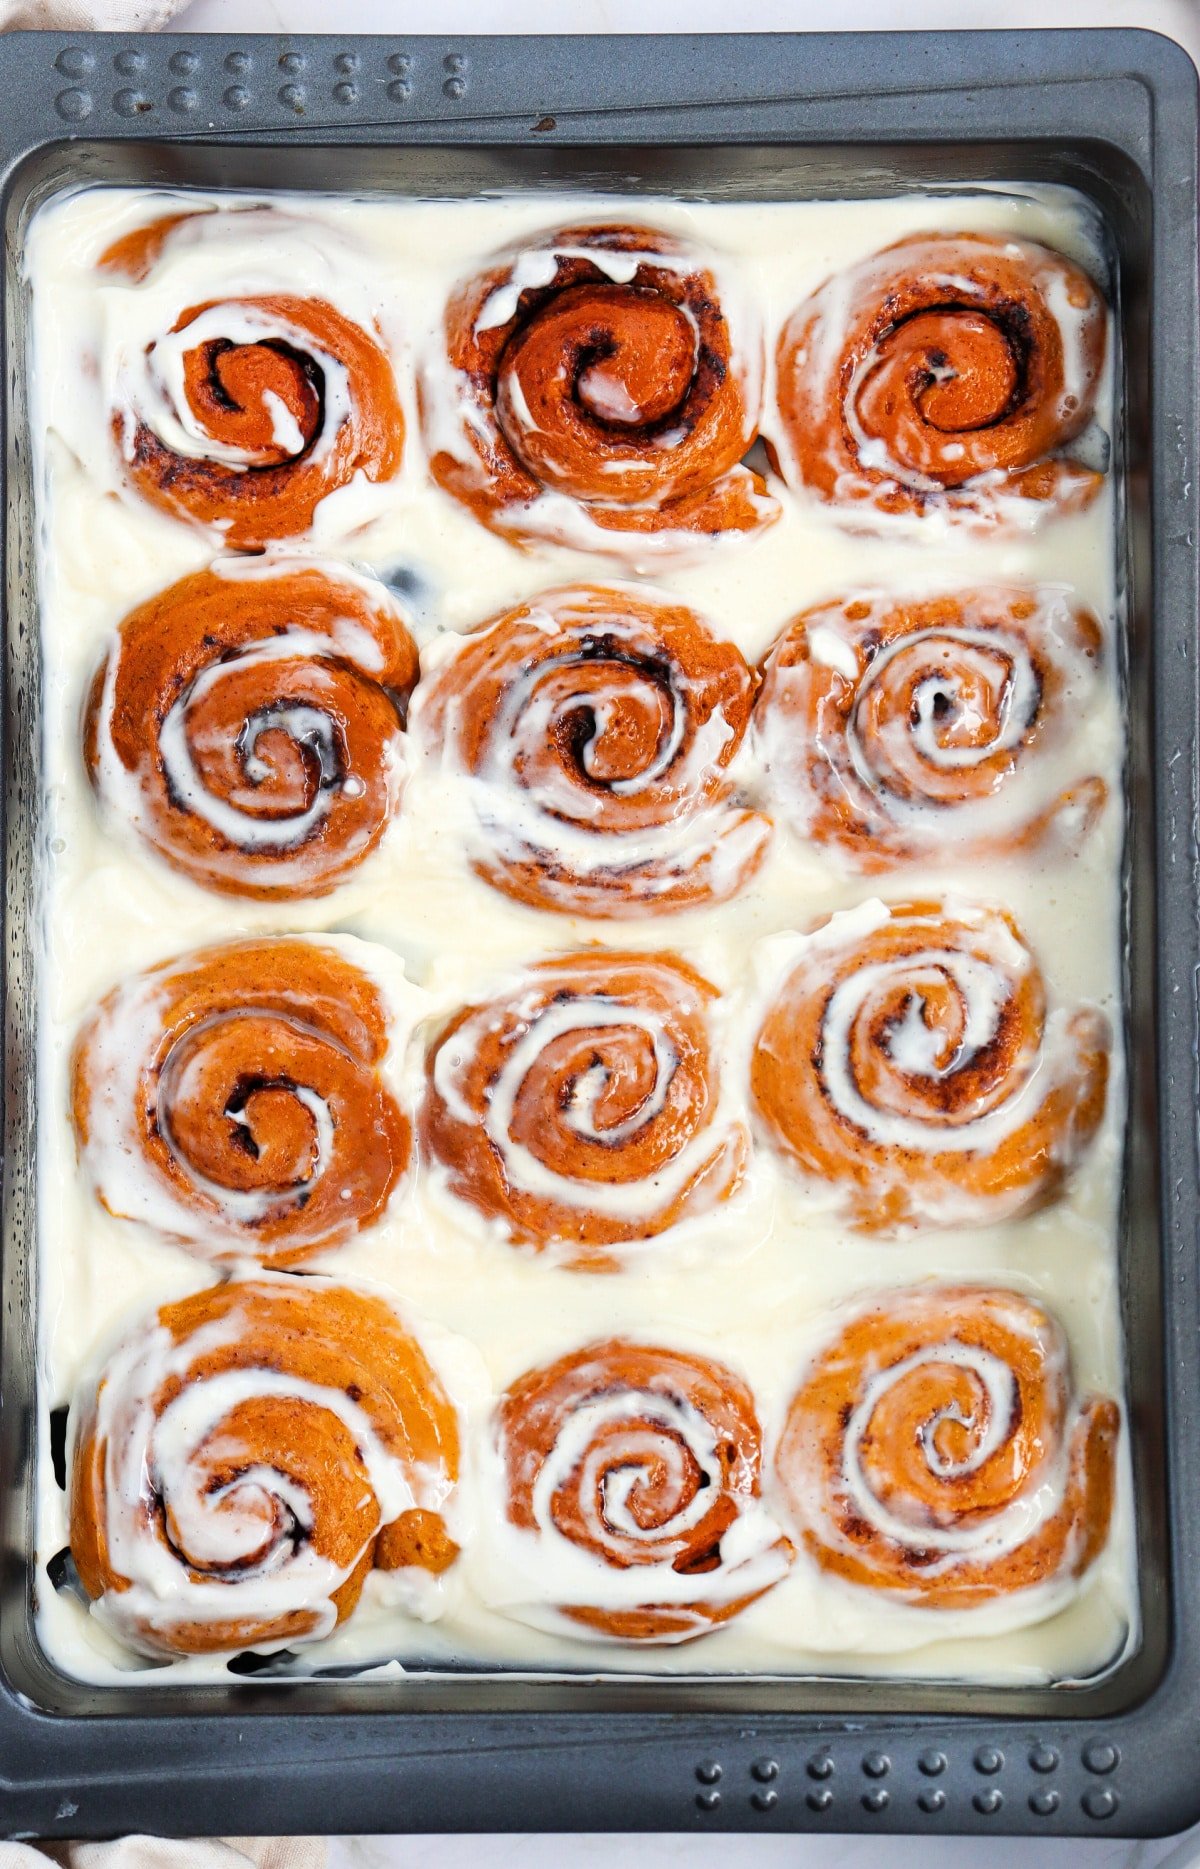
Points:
point(1181, 20)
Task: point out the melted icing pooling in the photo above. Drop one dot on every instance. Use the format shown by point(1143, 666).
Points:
point(657, 1314)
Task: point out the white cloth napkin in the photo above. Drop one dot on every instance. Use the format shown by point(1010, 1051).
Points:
point(87, 15)
point(170, 1853)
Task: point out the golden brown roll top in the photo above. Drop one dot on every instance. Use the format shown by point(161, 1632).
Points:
point(246, 722)
point(948, 373)
point(590, 730)
point(592, 388)
point(634, 1474)
point(581, 1108)
point(892, 730)
point(908, 1062)
point(234, 1099)
point(935, 1450)
point(248, 1455)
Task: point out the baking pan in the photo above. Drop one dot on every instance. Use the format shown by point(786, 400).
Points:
point(1113, 114)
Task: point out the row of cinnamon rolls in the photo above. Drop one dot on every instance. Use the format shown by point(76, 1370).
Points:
point(605, 752)
point(593, 389)
point(250, 1454)
point(247, 1099)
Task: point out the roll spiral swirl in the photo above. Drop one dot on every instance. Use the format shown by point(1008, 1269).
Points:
point(947, 373)
point(247, 723)
point(250, 408)
point(593, 727)
point(636, 1473)
point(592, 388)
point(233, 1098)
point(248, 1455)
point(892, 730)
point(934, 1450)
point(581, 1109)
point(908, 1060)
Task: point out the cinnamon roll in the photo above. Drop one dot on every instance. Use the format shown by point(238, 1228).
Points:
point(593, 728)
point(949, 373)
point(935, 1450)
point(634, 1474)
point(248, 1455)
point(909, 1061)
point(895, 730)
point(234, 1098)
point(245, 409)
point(247, 723)
point(581, 1108)
point(592, 387)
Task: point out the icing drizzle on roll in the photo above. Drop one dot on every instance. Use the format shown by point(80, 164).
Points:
point(633, 1480)
point(247, 1456)
point(234, 1098)
point(591, 389)
point(949, 373)
point(934, 1450)
point(582, 1108)
point(590, 730)
point(890, 730)
point(909, 1061)
point(246, 722)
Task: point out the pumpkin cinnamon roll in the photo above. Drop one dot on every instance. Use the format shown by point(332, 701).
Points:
point(949, 373)
point(895, 730)
point(592, 387)
point(246, 722)
point(935, 1450)
point(909, 1060)
point(234, 1098)
point(633, 1475)
point(591, 729)
point(581, 1108)
point(248, 1456)
point(243, 410)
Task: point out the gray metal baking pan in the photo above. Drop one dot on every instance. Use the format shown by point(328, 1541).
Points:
point(1113, 114)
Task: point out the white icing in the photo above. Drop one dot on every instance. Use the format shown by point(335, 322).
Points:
point(530, 271)
point(752, 1285)
point(285, 430)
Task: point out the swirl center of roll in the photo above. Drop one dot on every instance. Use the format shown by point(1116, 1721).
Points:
point(592, 1092)
point(939, 1439)
point(266, 399)
point(927, 1037)
point(234, 1108)
point(940, 711)
point(263, 775)
point(619, 361)
point(224, 1515)
point(945, 371)
point(600, 721)
point(629, 1467)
